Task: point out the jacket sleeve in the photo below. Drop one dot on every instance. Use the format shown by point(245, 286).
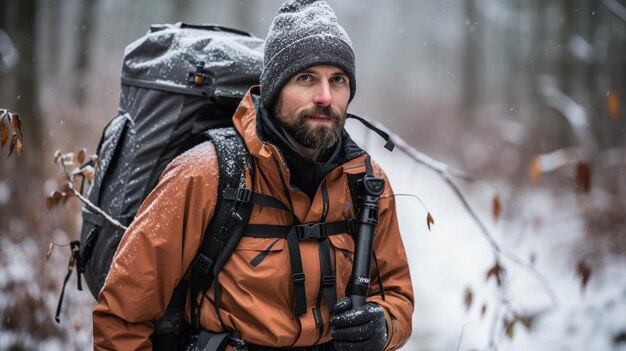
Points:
point(156, 251)
point(392, 266)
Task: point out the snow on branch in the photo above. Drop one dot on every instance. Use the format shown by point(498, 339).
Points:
point(616, 8)
point(573, 112)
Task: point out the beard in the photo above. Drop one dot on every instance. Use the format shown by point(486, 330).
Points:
point(310, 135)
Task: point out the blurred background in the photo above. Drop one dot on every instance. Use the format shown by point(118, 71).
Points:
point(526, 96)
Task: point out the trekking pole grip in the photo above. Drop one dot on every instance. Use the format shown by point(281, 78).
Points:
point(373, 187)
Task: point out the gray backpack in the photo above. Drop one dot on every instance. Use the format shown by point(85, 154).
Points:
point(181, 84)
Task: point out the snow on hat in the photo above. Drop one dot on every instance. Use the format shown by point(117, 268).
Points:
point(304, 33)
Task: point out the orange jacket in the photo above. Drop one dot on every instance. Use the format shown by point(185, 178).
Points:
point(161, 243)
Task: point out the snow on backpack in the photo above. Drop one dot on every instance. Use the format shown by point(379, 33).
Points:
point(181, 84)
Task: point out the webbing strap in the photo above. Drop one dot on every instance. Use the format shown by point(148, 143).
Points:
point(328, 276)
point(297, 273)
point(249, 196)
point(304, 231)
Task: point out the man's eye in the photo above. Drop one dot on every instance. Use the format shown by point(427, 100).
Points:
point(304, 78)
point(338, 79)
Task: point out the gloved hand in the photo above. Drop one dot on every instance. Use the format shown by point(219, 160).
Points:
point(361, 329)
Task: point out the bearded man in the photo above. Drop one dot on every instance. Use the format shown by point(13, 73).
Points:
point(293, 127)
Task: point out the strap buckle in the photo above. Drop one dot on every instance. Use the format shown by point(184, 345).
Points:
point(298, 279)
point(202, 264)
point(243, 195)
point(311, 231)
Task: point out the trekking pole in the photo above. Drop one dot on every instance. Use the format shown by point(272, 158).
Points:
point(372, 188)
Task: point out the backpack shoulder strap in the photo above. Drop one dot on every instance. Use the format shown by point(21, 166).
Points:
point(230, 216)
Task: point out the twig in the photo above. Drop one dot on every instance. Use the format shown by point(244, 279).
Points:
point(98, 210)
point(573, 112)
point(616, 8)
point(458, 345)
point(445, 172)
point(86, 201)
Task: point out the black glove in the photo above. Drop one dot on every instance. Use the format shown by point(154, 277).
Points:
point(361, 329)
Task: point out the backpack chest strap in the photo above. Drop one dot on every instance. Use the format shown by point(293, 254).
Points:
point(304, 231)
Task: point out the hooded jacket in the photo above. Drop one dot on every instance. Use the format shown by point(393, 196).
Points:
point(257, 301)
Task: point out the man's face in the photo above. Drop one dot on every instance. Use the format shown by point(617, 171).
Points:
point(312, 106)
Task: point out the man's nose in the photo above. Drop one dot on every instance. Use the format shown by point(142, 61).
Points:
point(323, 95)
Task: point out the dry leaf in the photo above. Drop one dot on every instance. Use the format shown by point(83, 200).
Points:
point(584, 272)
point(80, 157)
point(496, 271)
point(4, 134)
point(49, 202)
point(527, 322)
point(19, 124)
point(496, 207)
point(14, 118)
point(483, 310)
point(509, 328)
point(468, 298)
point(535, 170)
point(88, 173)
point(49, 251)
point(429, 220)
point(583, 177)
point(95, 159)
point(613, 105)
point(12, 144)
point(18, 148)
point(57, 197)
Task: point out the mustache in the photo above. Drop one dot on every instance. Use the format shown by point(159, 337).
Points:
point(324, 111)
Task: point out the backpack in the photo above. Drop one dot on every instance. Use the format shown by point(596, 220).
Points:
point(181, 84)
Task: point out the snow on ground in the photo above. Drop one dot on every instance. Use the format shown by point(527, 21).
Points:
point(455, 256)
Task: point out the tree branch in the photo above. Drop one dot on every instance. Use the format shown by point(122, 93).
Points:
point(616, 8)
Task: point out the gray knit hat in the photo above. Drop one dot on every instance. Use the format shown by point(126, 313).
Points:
point(304, 33)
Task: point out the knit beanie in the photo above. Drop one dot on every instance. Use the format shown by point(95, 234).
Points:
point(304, 33)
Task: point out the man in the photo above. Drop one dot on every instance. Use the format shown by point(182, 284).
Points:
point(293, 128)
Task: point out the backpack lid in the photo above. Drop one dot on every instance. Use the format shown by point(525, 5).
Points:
point(207, 60)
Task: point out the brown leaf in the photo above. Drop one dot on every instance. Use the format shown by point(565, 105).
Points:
point(18, 148)
point(429, 220)
point(468, 298)
point(613, 105)
point(57, 196)
point(584, 272)
point(496, 207)
point(12, 144)
point(583, 177)
point(509, 328)
point(49, 251)
point(483, 310)
point(14, 118)
point(526, 321)
point(80, 157)
point(67, 188)
point(535, 170)
point(49, 202)
point(496, 271)
point(18, 122)
point(88, 173)
point(95, 159)
point(4, 134)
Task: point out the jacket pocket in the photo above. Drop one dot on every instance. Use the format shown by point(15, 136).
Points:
point(259, 267)
point(343, 247)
